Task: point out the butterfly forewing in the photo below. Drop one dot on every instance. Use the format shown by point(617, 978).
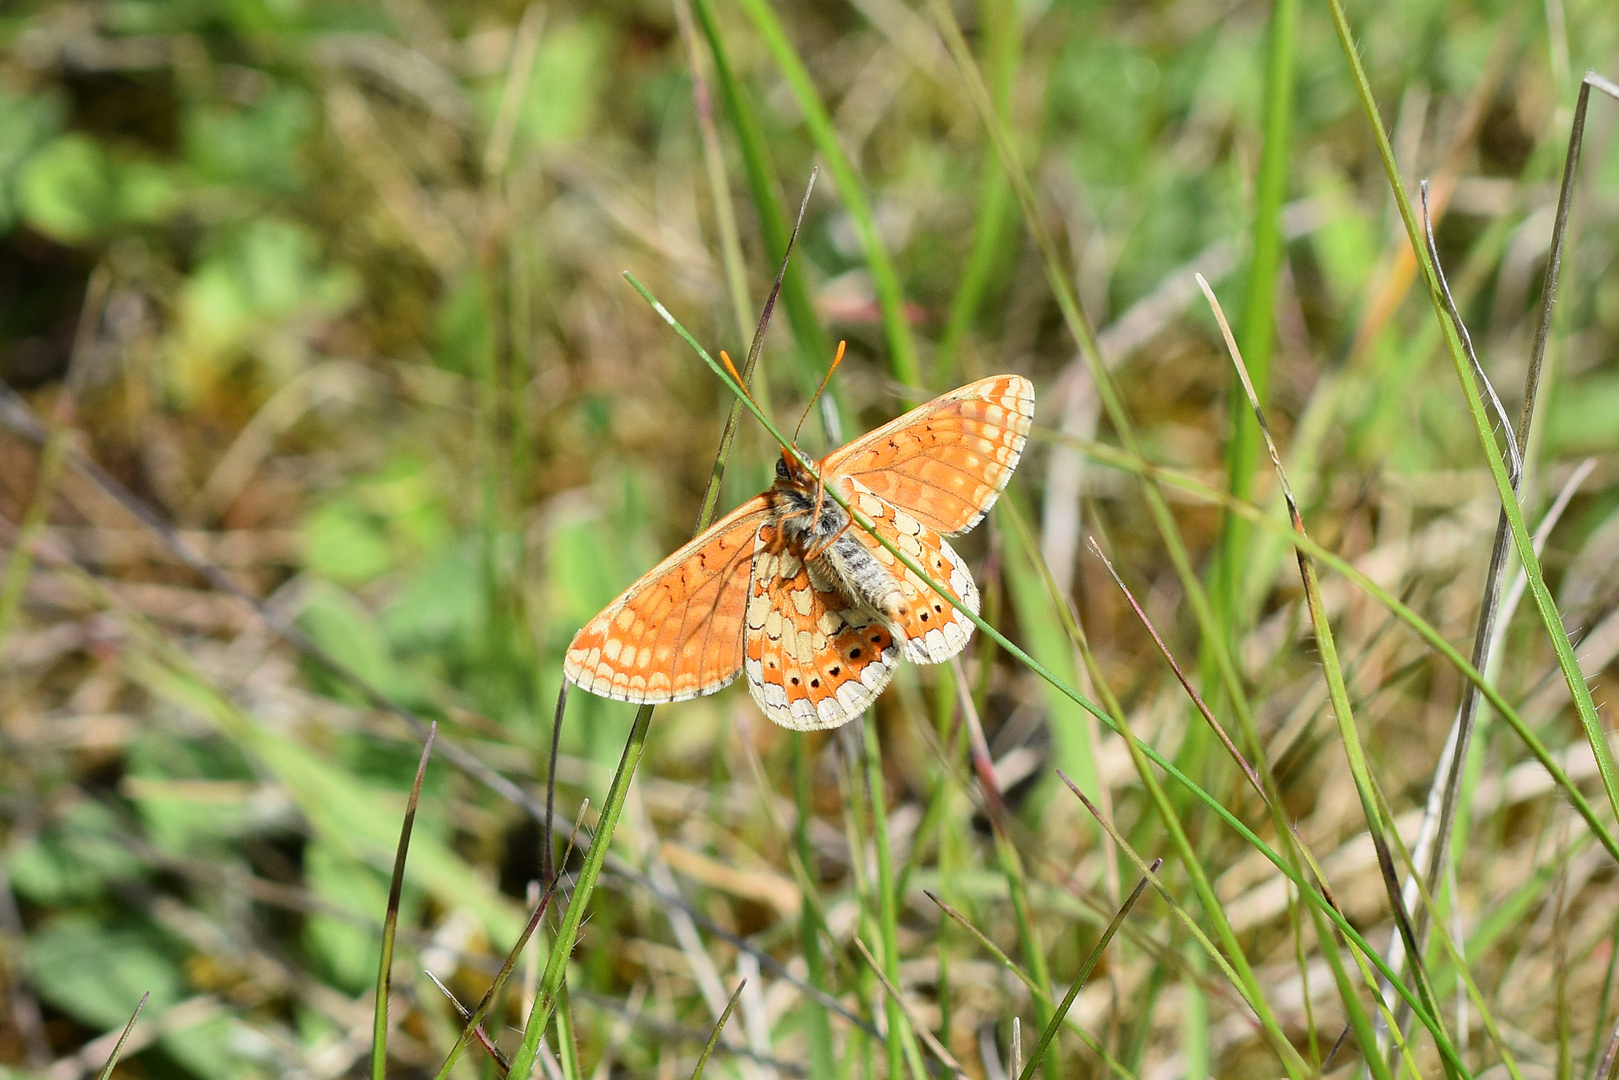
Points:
point(945, 462)
point(677, 632)
point(813, 661)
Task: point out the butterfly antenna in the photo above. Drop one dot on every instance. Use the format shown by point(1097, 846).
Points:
point(725, 359)
point(836, 360)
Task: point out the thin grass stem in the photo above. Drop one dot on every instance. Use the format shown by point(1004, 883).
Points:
point(390, 920)
point(1050, 1033)
point(118, 1047)
point(719, 1027)
point(902, 358)
point(902, 1051)
point(1313, 897)
point(1544, 603)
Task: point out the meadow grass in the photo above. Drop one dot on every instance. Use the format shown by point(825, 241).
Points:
point(338, 412)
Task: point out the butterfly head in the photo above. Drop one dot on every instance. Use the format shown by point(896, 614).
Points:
point(791, 473)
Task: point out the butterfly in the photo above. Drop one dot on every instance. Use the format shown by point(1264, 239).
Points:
point(790, 590)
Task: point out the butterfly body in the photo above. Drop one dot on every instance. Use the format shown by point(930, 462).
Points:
point(792, 590)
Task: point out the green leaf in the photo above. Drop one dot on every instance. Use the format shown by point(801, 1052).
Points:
point(345, 543)
point(346, 945)
point(74, 858)
point(25, 124)
point(258, 147)
point(440, 604)
point(72, 190)
point(251, 292)
point(348, 633)
point(67, 191)
point(97, 973)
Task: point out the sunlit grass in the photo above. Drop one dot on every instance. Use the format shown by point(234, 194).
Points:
point(339, 413)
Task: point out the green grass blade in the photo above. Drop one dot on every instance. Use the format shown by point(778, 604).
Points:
point(719, 1026)
point(390, 921)
point(1257, 330)
point(1002, 46)
point(885, 278)
point(1338, 693)
point(118, 1047)
point(1050, 1032)
point(1313, 896)
point(902, 1050)
point(1544, 603)
point(813, 346)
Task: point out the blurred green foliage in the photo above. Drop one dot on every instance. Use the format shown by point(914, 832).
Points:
point(324, 316)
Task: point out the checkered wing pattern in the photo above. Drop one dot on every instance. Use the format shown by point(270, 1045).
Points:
point(812, 660)
point(945, 462)
point(677, 632)
point(929, 627)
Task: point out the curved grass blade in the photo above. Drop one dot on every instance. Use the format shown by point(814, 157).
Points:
point(1337, 692)
point(390, 920)
point(1544, 603)
point(1519, 440)
point(890, 292)
point(1313, 896)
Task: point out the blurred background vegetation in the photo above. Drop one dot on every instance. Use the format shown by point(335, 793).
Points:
point(334, 287)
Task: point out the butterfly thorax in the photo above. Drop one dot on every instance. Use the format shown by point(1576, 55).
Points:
point(807, 523)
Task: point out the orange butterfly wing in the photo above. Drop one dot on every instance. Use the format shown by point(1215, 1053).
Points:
point(813, 661)
point(677, 632)
point(929, 627)
point(945, 462)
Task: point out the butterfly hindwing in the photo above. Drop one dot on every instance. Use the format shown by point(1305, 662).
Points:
point(677, 632)
point(930, 629)
point(812, 660)
point(945, 462)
